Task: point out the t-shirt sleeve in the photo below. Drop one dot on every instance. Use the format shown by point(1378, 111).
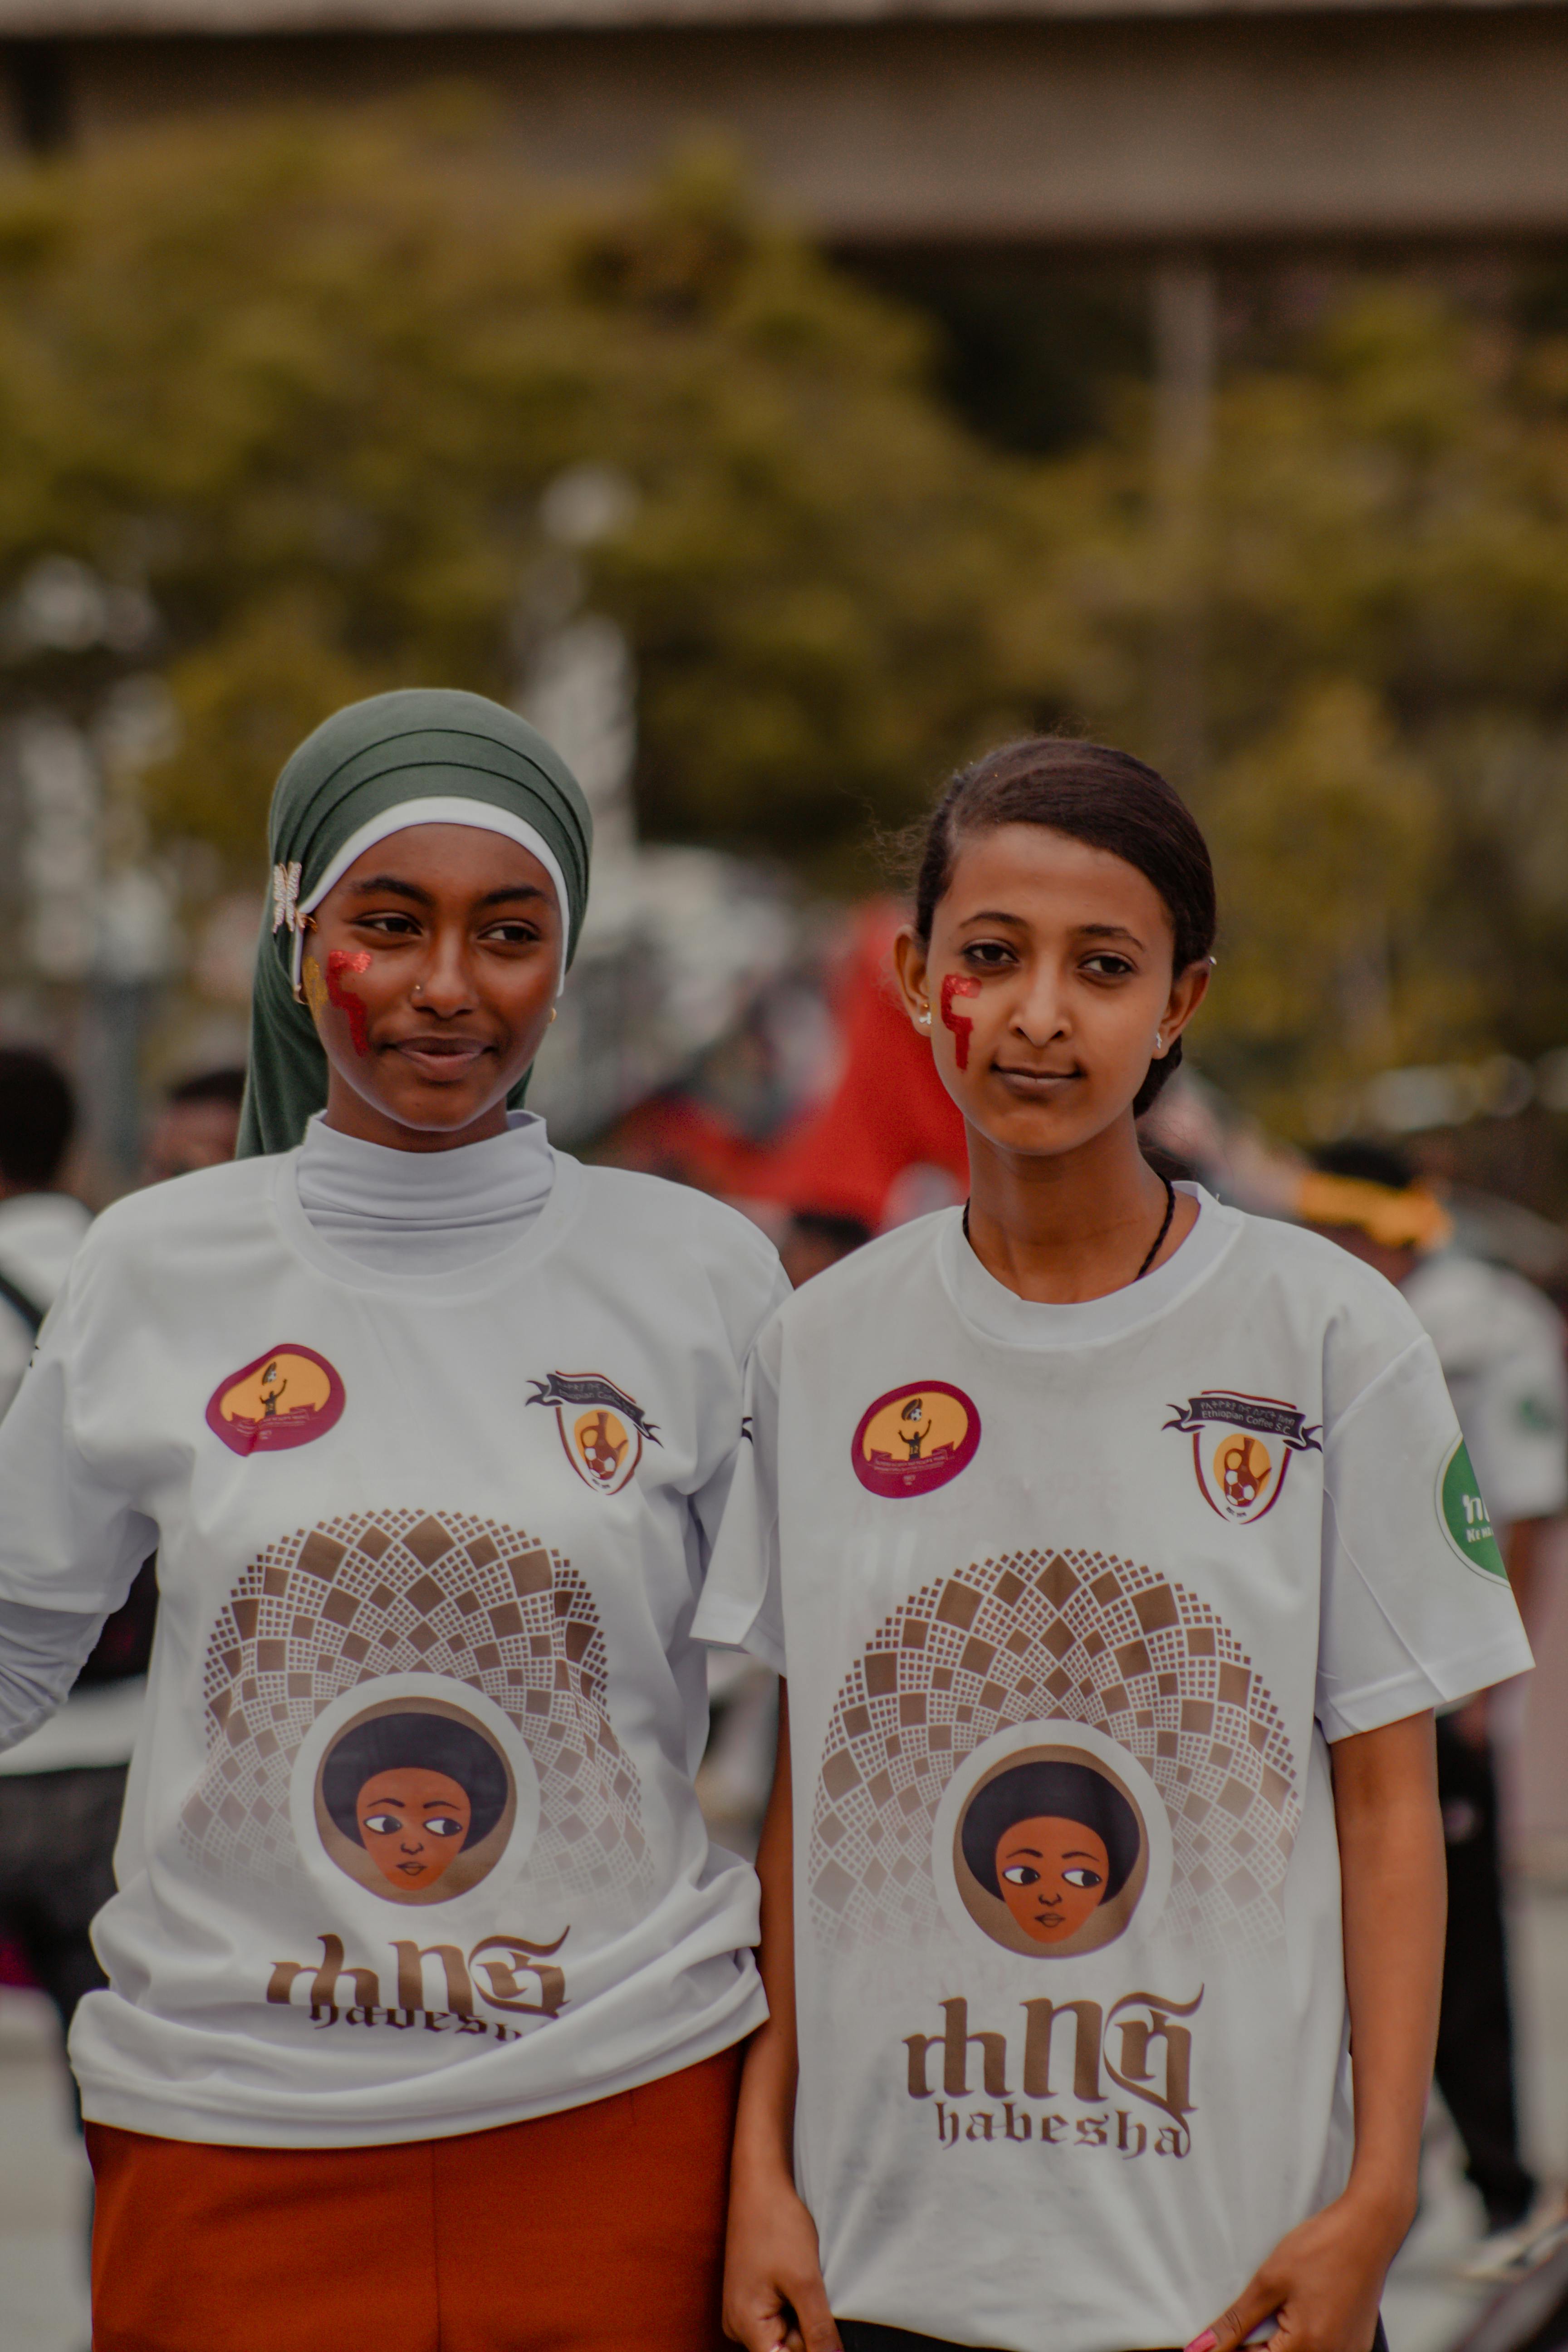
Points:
point(71, 1538)
point(741, 1606)
point(753, 1299)
point(1416, 1609)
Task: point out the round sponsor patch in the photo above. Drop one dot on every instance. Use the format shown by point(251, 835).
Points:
point(1463, 1516)
point(915, 1438)
point(285, 1398)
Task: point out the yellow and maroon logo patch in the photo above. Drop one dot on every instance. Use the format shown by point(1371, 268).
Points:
point(915, 1438)
point(1241, 1449)
point(602, 1428)
point(288, 1397)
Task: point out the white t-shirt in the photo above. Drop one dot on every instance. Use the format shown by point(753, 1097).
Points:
point(1499, 1343)
point(1069, 1599)
point(410, 1846)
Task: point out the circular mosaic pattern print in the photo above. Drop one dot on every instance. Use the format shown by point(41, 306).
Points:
point(383, 1593)
point(1053, 1640)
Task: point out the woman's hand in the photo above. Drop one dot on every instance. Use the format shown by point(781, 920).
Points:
point(1321, 2283)
point(774, 2300)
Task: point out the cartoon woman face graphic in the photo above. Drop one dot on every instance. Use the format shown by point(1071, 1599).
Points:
point(405, 1793)
point(1051, 1873)
point(413, 1824)
point(1053, 1841)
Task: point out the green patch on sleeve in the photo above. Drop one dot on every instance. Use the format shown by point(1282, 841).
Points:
point(1464, 1518)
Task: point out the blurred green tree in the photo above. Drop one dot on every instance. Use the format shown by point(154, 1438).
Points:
point(1370, 578)
point(298, 386)
point(302, 383)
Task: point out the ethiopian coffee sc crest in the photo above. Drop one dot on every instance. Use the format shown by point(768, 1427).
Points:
point(1242, 1447)
point(602, 1430)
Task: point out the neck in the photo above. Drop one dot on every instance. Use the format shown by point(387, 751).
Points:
point(350, 1114)
point(1073, 1225)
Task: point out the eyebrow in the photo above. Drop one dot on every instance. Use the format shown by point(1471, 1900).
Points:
point(416, 890)
point(1081, 930)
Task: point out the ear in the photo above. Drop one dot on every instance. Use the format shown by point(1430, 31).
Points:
point(1188, 991)
point(909, 969)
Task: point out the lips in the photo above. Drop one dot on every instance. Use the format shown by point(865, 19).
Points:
point(445, 1056)
point(1035, 1082)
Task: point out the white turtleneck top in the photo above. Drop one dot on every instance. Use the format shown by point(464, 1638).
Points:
point(424, 1211)
point(432, 1449)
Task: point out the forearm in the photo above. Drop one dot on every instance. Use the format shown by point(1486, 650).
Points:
point(764, 2126)
point(1393, 1901)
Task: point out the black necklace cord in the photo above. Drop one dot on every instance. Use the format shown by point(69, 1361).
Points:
point(1155, 1247)
point(1158, 1244)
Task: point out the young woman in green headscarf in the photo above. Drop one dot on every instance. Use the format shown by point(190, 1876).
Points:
point(425, 1986)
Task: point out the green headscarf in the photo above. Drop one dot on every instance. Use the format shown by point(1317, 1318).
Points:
point(419, 744)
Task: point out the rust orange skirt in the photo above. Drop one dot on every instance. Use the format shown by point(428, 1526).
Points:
point(593, 2231)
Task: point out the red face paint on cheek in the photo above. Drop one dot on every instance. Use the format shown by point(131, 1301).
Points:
point(956, 985)
point(338, 963)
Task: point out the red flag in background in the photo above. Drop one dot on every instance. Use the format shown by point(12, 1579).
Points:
point(888, 1142)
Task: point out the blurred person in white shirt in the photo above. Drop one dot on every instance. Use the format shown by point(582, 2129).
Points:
point(62, 1790)
point(1501, 1344)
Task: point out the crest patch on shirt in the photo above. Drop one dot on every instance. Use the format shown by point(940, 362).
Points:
point(602, 1428)
point(915, 1438)
point(288, 1397)
point(1241, 1449)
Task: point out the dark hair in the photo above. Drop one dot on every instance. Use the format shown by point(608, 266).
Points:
point(1072, 1792)
point(839, 1232)
point(211, 1086)
point(37, 1113)
point(1096, 795)
point(1367, 1163)
point(433, 1742)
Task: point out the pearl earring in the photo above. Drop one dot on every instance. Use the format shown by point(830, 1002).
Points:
point(925, 1016)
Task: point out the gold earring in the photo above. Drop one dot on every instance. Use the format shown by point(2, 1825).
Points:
point(552, 1014)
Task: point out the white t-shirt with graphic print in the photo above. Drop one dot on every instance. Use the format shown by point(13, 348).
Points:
point(410, 1846)
point(1070, 1600)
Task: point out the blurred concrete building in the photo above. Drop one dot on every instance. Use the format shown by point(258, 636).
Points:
point(1092, 124)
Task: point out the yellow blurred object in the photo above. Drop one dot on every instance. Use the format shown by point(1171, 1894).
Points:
point(1413, 1219)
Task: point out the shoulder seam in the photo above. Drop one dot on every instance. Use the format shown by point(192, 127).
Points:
point(1413, 1347)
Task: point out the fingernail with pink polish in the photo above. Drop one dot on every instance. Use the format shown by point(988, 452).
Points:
point(1203, 2342)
